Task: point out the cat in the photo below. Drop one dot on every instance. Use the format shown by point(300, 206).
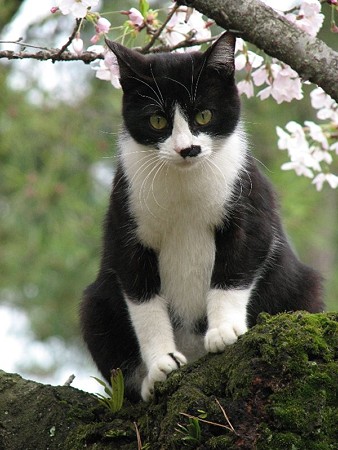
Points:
point(193, 245)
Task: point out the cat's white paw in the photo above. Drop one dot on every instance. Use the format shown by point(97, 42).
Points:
point(159, 371)
point(216, 339)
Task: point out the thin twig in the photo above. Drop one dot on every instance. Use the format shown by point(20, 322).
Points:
point(138, 437)
point(225, 416)
point(207, 421)
point(148, 46)
point(71, 37)
point(24, 44)
point(228, 427)
point(184, 44)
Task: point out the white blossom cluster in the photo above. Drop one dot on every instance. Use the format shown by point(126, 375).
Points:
point(310, 146)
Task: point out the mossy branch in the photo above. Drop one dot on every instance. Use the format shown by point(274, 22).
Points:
point(277, 387)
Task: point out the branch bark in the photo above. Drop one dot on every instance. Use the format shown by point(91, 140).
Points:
point(257, 23)
point(275, 388)
point(265, 28)
point(53, 55)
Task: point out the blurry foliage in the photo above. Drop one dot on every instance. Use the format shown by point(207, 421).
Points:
point(52, 206)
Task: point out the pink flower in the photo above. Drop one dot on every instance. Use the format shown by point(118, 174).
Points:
point(108, 70)
point(95, 39)
point(260, 76)
point(334, 147)
point(308, 18)
point(285, 5)
point(319, 99)
point(330, 178)
point(102, 26)
point(246, 87)
point(135, 17)
point(248, 60)
point(78, 8)
point(328, 108)
point(317, 134)
point(182, 26)
point(286, 85)
point(299, 168)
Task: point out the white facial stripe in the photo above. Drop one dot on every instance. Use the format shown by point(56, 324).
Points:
point(181, 134)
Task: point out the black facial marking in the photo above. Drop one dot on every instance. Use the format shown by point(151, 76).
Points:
point(192, 151)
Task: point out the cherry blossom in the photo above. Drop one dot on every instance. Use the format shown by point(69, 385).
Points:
point(182, 26)
point(246, 87)
point(285, 5)
point(304, 159)
point(102, 27)
point(328, 108)
point(248, 60)
point(135, 17)
point(108, 69)
point(308, 147)
point(309, 18)
point(284, 84)
point(78, 8)
point(320, 179)
point(316, 133)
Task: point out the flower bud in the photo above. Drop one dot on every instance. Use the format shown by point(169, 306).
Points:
point(77, 45)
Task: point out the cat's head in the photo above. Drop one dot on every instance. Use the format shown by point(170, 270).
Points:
point(181, 104)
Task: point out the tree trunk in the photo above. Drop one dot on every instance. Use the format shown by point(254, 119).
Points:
point(277, 385)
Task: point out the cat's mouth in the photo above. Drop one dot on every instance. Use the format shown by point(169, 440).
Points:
point(188, 163)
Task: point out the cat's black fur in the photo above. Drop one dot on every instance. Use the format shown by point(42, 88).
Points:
point(243, 241)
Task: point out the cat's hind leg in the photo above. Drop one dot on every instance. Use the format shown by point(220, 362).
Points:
point(108, 333)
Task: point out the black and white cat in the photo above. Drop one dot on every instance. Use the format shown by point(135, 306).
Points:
point(193, 245)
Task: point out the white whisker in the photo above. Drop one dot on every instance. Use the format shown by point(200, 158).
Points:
point(159, 90)
point(181, 84)
point(198, 79)
point(163, 164)
point(144, 199)
point(160, 99)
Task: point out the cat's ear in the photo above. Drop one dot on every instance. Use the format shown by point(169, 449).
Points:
point(131, 63)
point(221, 55)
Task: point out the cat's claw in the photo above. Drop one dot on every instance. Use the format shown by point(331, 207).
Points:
point(217, 339)
point(159, 371)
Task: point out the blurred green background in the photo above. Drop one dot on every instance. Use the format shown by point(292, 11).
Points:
point(57, 152)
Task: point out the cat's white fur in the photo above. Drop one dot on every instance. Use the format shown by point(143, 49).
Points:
point(177, 203)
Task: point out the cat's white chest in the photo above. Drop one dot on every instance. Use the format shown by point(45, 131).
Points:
point(176, 213)
point(176, 217)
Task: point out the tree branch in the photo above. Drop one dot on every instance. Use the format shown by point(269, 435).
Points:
point(269, 31)
point(52, 54)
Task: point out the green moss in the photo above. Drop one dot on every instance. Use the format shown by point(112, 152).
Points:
point(278, 385)
point(116, 434)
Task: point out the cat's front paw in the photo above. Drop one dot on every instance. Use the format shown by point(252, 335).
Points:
point(216, 339)
point(159, 371)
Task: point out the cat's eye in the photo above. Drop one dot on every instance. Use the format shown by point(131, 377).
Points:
point(158, 122)
point(203, 117)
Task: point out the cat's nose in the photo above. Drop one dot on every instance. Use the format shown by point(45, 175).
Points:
point(194, 150)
